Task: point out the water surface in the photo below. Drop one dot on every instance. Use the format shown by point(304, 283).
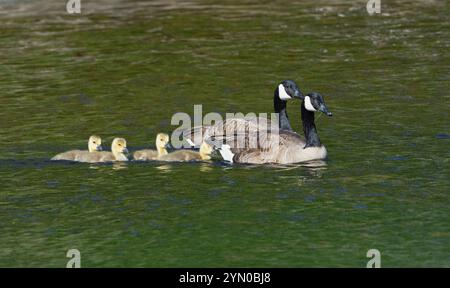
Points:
point(122, 68)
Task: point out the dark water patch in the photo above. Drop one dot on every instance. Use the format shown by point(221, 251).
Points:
point(282, 196)
point(216, 192)
point(296, 217)
point(360, 206)
point(52, 183)
point(442, 136)
point(396, 158)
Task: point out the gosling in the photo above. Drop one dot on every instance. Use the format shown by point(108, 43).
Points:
point(118, 151)
point(162, 142)
point(188, 155)
point(94, 145)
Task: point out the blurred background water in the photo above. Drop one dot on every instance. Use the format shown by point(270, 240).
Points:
point(122, 68)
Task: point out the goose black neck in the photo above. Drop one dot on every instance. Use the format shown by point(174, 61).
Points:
point(312, 138)
point(280, 108)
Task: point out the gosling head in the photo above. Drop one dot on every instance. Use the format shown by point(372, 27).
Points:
point(95, 143)
point(206, 150)
point(314, 102)
point(119, 146)
point(162, 141)
point(288, 90)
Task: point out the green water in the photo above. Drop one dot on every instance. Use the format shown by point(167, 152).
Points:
point(122, 68)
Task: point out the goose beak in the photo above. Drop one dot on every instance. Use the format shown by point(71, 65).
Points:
point(168, 146)
point(324, 109)
point(99, 148)
point(125, 151)
point(298, 94)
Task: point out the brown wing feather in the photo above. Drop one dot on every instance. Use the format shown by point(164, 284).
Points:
point(275, 148)
point(256, 140)
point(229, 127)
point(195, 134)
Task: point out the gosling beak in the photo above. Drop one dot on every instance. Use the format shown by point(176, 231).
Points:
point(99, 148)
point(324, 109)
point(125, 151)
point(168, 146)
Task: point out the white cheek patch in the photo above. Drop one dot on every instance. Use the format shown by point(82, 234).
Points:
point(282, 93)
point(189, 141)
point(226, 153)
point(308, 104)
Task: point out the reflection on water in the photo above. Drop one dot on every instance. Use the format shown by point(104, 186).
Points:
point(122, 68)
point(119, 165)
point(164, 168)
point(205, 167)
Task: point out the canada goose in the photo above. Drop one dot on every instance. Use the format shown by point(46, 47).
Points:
point(94, 145)
point(189, 155)
point(162, 142)
point(118, 151)
point(285, 91)
point(283, 147)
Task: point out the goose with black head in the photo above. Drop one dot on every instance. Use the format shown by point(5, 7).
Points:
point(285, 91)
point(284, 147)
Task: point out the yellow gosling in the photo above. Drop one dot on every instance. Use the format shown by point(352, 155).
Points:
point(118, 151)
point(189, 155)
point(94, 145)
point(162, 141)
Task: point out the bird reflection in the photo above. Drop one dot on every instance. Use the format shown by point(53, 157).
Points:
point(205, 167)
point(164, 168)
point(119, 165)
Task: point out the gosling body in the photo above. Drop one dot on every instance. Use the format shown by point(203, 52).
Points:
point(94, 145)
point(117, 153)
point(162, 141)
point(189, 155)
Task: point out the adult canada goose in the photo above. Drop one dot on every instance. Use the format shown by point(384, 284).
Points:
point(285, 91)
point(189, 155)
point(94, 145)
point(162, 142)
point(281, 147)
